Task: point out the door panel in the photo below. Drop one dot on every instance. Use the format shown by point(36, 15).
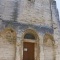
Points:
point(28, 51)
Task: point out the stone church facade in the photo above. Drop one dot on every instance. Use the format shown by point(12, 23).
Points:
point(29, 30)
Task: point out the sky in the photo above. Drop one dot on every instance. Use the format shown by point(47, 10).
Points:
point(58, 5)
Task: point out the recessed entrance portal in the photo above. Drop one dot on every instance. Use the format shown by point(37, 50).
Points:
point(28, 51)
point(31, 49)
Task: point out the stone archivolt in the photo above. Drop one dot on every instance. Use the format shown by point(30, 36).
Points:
point(9, 34)
point(48, 40)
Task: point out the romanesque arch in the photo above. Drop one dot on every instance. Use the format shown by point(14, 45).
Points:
point(34, 39)
point(49, 48)
point(7, 44)
point(31, 32)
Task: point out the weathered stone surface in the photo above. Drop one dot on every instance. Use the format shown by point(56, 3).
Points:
point(40, 17)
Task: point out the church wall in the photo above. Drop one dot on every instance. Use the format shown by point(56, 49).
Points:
point(20, 29)
point(6, 9)
point(31, 12)
point(55, 22)
point(31, 15)
point(34, 12)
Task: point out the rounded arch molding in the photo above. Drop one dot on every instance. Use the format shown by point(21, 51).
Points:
point(9, 34)
point(8, 41)
point(36, 42)
point(31, 31)
point(49, 46)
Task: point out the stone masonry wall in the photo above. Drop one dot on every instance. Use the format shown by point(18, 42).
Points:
point(6, 9)
point(38, 15)
point(7, 46)
point(36, 12)
point(55, 22)
point(31, 12)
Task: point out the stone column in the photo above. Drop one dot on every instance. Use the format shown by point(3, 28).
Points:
point(18, 48)
point(41, 48)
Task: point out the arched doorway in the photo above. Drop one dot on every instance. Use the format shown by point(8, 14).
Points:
point(49, 48)
point(31, 49)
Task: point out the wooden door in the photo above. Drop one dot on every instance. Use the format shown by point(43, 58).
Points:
point(28, 51)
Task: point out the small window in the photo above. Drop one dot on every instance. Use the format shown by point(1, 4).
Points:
point(29, 36)
point(31, 0)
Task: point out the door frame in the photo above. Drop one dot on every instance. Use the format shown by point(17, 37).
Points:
point(36, 47)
